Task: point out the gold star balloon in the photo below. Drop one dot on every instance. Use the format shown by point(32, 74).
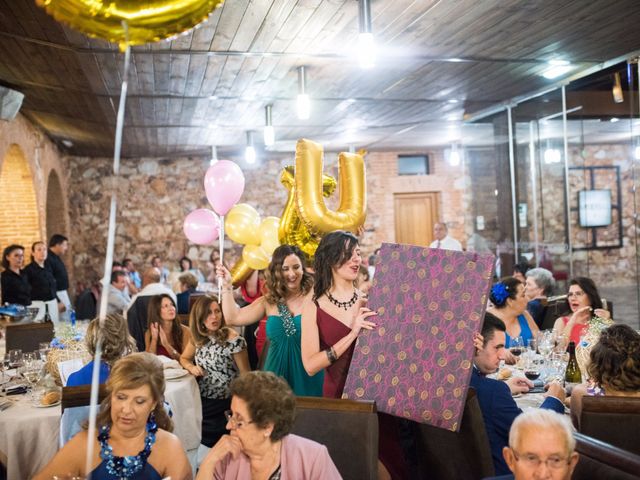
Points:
point(130, 22)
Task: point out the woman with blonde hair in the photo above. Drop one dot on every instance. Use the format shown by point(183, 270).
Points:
point(134, 439)
point(216, 354)
point(116, 343)
point(165, 334)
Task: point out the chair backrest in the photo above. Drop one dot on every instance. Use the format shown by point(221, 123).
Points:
point(555, 307)
point(601, 460)
point(183, 318)
point(137, 320)
point(349, 430)
point(614, 420)
point(28, 336)
point(193, 297)
point(80, 396)
point(462, 455)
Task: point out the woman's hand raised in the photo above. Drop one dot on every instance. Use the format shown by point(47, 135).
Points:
point(225, 275)
point(360, 321)
point(153, 328)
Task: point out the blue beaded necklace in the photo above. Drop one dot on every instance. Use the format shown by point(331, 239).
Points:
point(126, 467)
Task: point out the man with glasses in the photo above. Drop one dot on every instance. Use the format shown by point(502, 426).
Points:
point(541, 446)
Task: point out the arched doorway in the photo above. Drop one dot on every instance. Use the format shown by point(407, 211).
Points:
point(19, 221)
point(55, 206)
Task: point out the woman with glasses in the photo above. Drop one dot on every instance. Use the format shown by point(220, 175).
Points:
point(259, 444)
point(216, 356)
point(584, 304)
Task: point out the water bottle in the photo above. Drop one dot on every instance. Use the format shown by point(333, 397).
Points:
point(72, 317)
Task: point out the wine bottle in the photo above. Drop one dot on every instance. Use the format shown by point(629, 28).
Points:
point(572, 373)
point(47, 317)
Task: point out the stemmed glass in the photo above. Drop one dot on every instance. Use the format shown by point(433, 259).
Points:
point(545, 344)
point(532, 367)
point(15, 358)
point(32, 372)
point(516, 346)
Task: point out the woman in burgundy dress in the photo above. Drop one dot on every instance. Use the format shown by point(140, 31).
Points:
point(331, 321)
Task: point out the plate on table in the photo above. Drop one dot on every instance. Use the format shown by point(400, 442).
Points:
point(174, 373)
point(42, 405)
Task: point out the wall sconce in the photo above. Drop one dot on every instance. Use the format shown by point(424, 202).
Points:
point(455, 156)
point(366, 42)
point(618, 96)
point(269, 133)
point(551, 155)
point(250, 151)
point(303, 101)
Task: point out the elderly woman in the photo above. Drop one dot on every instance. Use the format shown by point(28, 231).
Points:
point(134, 439)
point(15, 285)
point(165, 334)
point(614, 367)
point(510, 306)
point(537, 287)
point(217, 354)
point(116, 343)
point(188, 285)
point(584, 303)
point(260, 445)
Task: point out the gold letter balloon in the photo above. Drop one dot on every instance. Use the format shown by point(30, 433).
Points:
point(146, 21)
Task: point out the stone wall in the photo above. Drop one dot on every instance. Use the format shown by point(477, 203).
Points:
point(155, 195)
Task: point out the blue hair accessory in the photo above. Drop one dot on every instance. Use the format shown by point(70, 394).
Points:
point(499, 293)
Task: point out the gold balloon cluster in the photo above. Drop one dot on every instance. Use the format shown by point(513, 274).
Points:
point(305, 218)
point(130, 22)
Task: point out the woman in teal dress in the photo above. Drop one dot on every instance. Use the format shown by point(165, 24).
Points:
point(287, 284)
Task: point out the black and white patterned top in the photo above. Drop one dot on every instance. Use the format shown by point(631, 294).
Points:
point(217, 362)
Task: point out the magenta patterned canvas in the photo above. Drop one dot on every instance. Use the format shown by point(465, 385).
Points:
point(417, 363)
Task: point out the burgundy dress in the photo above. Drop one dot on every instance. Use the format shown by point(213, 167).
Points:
point(331, 330)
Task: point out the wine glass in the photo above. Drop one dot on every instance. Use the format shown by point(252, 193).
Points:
point(516, 346)
point(43, 350)
point(15, 358)
point(561, 343)
point(32, 372)
point(532, 368)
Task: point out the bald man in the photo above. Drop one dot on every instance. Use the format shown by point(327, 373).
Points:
point(442, 238)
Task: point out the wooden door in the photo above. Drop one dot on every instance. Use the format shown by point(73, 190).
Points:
point(415, 214)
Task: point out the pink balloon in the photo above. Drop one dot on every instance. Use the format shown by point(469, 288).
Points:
point(224, 184)
point(202, 226)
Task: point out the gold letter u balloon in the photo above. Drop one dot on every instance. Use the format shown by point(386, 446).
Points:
point(306, 217)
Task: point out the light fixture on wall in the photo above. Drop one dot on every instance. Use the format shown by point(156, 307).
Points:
point(269, 133)
point(556, 69)
point(303, 102)
point(616, 91)
point(551, 155)
point(214, 155)
point(455, 156)
point(366, 42)
point(250, 151)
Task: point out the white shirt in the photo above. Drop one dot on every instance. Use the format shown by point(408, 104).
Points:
point(447, 243)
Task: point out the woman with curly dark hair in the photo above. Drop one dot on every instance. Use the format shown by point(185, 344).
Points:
point(165, 334)
point(510, 306)
point(287, 284)
point(614, 367)
point(260, 445)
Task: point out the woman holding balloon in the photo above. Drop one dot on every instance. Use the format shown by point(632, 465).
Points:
point(287, 285)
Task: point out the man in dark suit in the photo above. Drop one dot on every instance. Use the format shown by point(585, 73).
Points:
point(499, 410)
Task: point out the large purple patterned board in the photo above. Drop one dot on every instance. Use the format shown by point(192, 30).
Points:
point(417, 363)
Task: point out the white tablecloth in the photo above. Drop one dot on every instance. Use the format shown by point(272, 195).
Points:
point(29, 435)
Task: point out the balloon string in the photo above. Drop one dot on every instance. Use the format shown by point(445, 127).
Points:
point(108, 262)
point(221, 237)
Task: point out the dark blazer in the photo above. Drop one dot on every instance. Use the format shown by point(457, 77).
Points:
point(499, 410)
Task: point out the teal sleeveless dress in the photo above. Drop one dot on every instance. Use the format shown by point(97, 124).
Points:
point(284, 357)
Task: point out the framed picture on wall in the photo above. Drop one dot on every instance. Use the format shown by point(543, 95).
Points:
point(595, 208)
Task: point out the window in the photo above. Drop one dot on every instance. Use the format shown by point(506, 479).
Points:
point(413, 165)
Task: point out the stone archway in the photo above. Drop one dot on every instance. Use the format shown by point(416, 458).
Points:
point(55, 206)
point(19, 219)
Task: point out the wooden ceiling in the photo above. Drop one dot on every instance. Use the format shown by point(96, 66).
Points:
point(438, 59)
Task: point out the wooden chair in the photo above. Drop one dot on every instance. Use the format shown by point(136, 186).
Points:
point(554, 308)
point(349, 430)
point(193, 297)
point(601, 460)
point(461, 455)
point(80, 396)
point(183, 318)
point(614, 420)
point(28, 336)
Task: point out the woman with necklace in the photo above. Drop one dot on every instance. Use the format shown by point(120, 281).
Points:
point(287, 284)
point(132, 419)
point(165, 335)
point(331, 322)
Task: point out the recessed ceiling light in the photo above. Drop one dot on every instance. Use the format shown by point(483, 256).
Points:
point(67, 143)
point(557, 68)
point(213, 97)
point(614, 119)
